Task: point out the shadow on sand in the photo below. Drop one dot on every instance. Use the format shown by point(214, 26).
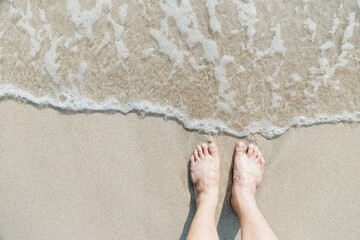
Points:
point(228, 225)
point(192, 206)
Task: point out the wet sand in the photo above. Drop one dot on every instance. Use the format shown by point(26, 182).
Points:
point(110, 176)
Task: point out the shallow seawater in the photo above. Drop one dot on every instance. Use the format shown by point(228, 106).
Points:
point(232, 66)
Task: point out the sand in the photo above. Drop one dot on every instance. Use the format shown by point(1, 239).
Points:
point(110, 176)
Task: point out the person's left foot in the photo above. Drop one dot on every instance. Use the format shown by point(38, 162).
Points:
point(204, 168)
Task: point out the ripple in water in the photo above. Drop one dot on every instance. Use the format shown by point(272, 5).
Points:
point(217, 66)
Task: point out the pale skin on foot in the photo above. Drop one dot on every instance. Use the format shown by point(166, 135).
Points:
point(249, 166)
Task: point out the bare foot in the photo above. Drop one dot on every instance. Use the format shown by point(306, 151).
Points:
point(204, 168)
point(248, 172)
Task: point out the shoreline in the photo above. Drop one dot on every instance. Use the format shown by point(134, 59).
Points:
point(258, 128)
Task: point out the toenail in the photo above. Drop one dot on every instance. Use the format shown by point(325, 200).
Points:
point(240, 145)
point(212, 146)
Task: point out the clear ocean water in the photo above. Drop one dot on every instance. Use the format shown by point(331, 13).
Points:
point(240, 67)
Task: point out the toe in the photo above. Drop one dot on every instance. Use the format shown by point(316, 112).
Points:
point(256, 154)
point(262, 162)
point(250, 151)
point(205, 148)
point(256, 151)
point(196, 155)
point(258, 159)
point(192, 159)
point(200, 151)
point(213, 149)
point(240, 147)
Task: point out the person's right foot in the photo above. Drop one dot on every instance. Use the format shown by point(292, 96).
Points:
point(204, 168)
point(249, 168)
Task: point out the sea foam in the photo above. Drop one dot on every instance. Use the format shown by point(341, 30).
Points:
point(73, 101)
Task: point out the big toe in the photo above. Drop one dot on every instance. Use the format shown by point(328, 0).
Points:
point(213, 150)
point(240, 148)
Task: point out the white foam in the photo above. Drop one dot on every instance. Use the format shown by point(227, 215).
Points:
point(73, 101)
point(271, 79)
point(85, 18)
point(276, 100)
point(123, 13)
point(82, 70)
point(335, 25)
point(325, 70)
point(148, 52)
point(247, 17)
point(144, 13)
point(241, 69)
point(122, 51)
point(68, 42)
point(277, 45)
point(168, 47)
point(50, 60)
point(78, 37)
point(214, 23)
point(312, 27)
point(187, 23)
point(327, 45)
point(225, 106)
point(316, 85)
point(308, 94)
point(349, 32)
point(249, 104)
point(42, 15)
point(104, 41)
point(24, 23)
point(297, 9)
point(74, 49)
point(223, 87)
point(295, 79)
point(194, 65)
point(220, 73)
point(75, 92)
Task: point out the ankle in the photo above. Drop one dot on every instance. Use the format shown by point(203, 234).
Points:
point(207, 209)
point(207, 200)
point(243, 199)
point(244, 192)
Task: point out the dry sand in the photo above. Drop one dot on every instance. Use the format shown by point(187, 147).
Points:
point(110, 176)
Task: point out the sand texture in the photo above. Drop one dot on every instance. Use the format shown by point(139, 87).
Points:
point(110, 176)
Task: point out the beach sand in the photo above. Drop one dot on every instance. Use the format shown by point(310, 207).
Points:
point(110, 176)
